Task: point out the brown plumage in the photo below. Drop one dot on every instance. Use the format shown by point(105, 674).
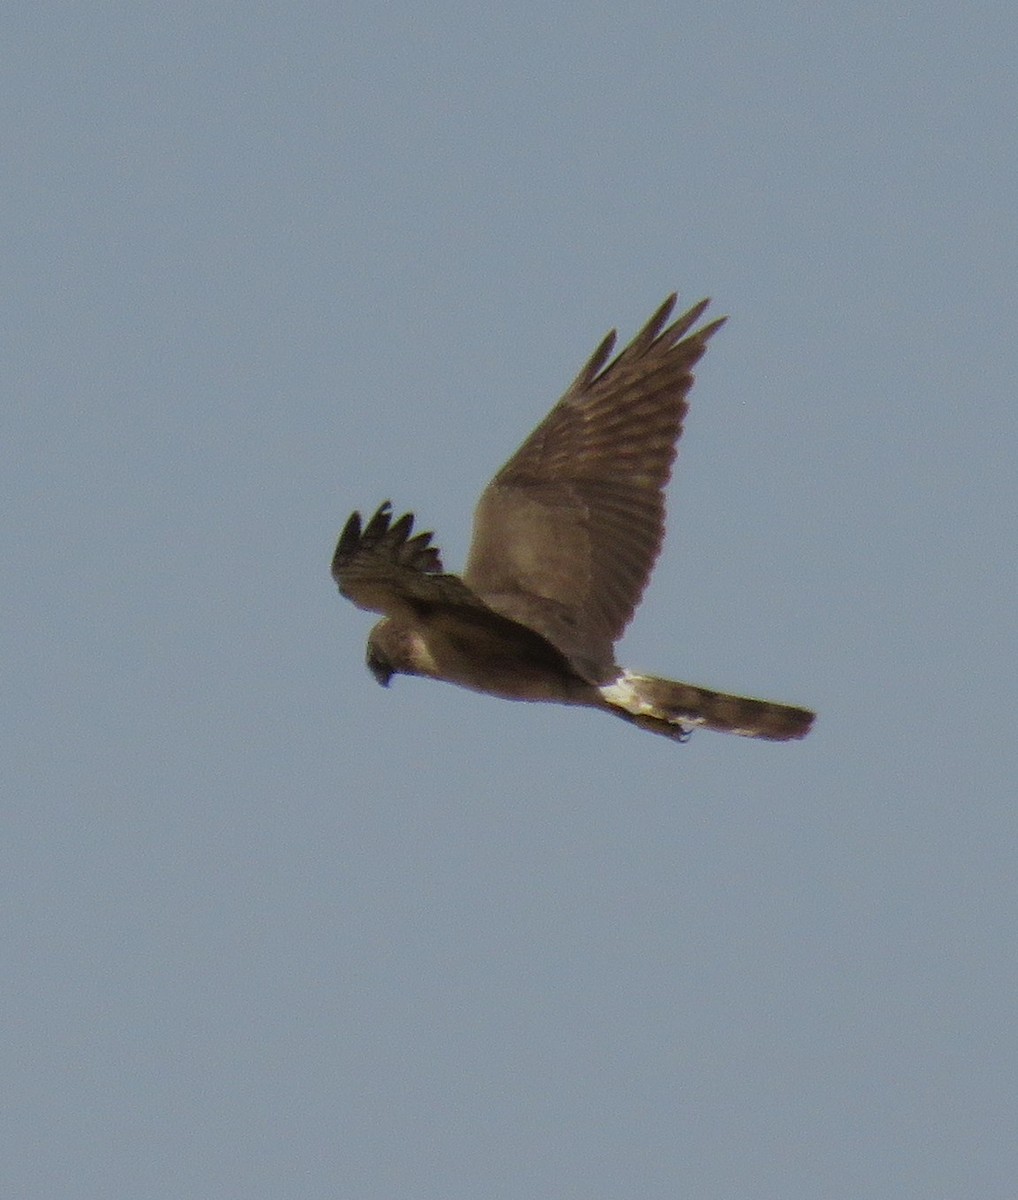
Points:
point(565, 538)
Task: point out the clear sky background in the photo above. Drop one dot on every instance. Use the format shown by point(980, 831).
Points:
point(272, 931)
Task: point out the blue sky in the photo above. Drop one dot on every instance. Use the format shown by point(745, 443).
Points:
point(271, 930)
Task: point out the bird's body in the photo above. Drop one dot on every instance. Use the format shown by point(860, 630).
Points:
point(565, 537)
point(485, 653)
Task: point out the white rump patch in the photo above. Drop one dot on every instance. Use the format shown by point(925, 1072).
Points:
point(625, 693)
point(628, 693)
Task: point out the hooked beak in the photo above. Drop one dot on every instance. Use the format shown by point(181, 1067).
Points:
point(379, 667)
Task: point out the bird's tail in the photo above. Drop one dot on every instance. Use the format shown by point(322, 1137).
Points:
point(676, 709)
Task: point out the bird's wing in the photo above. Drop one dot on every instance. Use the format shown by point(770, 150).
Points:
point(566, 534)
point(381, 568)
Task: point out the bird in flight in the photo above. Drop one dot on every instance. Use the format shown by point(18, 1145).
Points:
point(565, 538)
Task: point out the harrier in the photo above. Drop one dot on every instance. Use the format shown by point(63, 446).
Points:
point(565, 538)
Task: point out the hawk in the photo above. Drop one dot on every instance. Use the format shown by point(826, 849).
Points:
point(565, 537)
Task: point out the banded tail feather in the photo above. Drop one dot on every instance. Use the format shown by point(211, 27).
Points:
point(676, 709)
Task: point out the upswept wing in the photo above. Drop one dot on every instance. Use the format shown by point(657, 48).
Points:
point(381, 568)
point(566, 534)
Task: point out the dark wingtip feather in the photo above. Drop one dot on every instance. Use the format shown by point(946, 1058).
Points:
point(663, 313)
point(379, 523)
point(658, 336)
point(683, 323)
point(348, 542)
point(391, 538)
point(708, 331)
point(650, 333)
point(597, 359)
point(399, 530)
